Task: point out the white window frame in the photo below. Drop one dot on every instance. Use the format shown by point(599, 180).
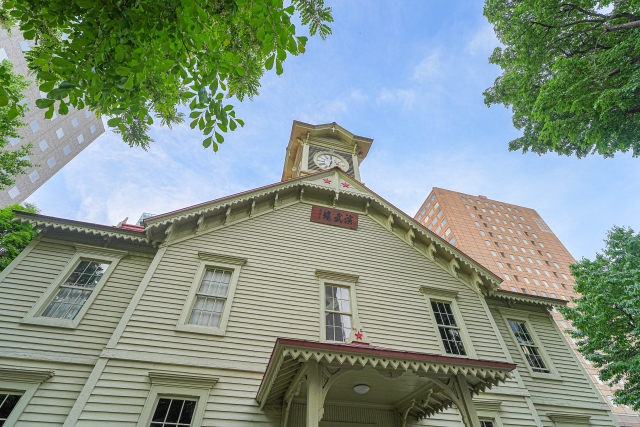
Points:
point(83, 253)
point(342, 280)
point(211, 261)
point(448, 297)
point(523, 316)
point(177, 386)
point(489, 410)
point(24, 381)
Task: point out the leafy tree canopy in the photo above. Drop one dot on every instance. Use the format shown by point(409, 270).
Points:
point(606, 317)
point(139, 60)
point(12, 85)
point(570, 73)
point(14, 236)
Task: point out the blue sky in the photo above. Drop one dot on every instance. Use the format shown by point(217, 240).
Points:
point(408, 74)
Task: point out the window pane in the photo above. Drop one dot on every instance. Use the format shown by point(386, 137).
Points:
point(215, 282)
point(207, 311)
point(448, 328)
point(338, 326)
point(528, 346)
point(173, 413)
point(337, 299)
point(486, 423)
point(7, 403)
point(67, 303)
point(87, 274)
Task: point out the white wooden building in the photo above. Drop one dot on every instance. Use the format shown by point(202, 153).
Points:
point(309, 302)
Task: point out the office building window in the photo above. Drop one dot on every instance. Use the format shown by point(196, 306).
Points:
point(51, 162)
point(80, 139)
point(25, 46)
point(494, 253)
point(14, 192)
point(33, 176)
point(93, 129)
point(43, 145)
point(66, 150)
point(506, 277)
point(60, 133)
point(75, 122)
point(3, 54)
point(35, 126)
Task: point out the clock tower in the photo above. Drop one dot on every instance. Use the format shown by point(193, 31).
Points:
point(314, 148)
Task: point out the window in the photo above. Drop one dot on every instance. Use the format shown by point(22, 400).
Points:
point(502, 254)
point(526, 281)
point(337, 313)
point(548, 254)
point(544, 294)
point(514, 289)
point(80, 139)
point(173, 413)
point(536, 282)
point(211, 294)
point(463, 198)
point(534, 292)
point(176, 400)
point(43, 145)
point(24, 45)
point(452, 241)
point(69, 297)
point(528, 269)
point(444, 222)
point(528, 347)
point(51, 162)
point(93, 128)
point(8, 401)
point(494, 253)
point(3, 54)
point(446, 233)
point(439, 229)
point(14, 141)
point(75, 122)
point(35, 126)
point(512, 257)
point(436, 206)
point(439, 214)
point(488, 243)
point(87, 113)
point(14, 192)
point(75, 291)
point(477, 224)
point(506, 277)
point(467, 206)
point(482, 233)
point(66, 150)
point(486, 423)
point(448, 328)
point(500, 264)
point(564, 276)
point(211, 298)
point(60, 133)
point(33, 176)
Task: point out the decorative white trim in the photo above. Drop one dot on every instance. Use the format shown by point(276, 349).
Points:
point(439, 292)
point(516, 297)
point(226, 259)
point(449, 297)
point(23, 381)
point(568, 419)
point(183, 324)
point(177, 385)
point(34, 317)
point(333, 275)
point(165, 378)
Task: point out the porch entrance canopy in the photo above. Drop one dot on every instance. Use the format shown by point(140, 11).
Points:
point(416, 385)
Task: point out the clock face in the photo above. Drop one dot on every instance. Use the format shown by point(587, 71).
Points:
point(326, 161)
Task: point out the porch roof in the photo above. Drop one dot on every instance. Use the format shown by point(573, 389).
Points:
point(290, 355)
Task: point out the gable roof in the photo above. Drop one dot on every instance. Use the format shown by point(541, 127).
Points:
point(336, 184)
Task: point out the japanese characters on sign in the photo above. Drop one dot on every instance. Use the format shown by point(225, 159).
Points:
point(332, 216)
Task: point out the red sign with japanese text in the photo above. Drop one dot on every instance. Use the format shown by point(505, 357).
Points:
point(332, 216)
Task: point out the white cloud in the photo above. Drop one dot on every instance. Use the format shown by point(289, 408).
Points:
point(334, 109)
point(483, 41)
point(404, 97)
point(429, 67)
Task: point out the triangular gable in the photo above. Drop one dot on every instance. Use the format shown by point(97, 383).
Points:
point(329, 188)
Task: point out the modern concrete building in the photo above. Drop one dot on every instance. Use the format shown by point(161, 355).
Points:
point(310, 302)
point(516, 244)
point(55, 142)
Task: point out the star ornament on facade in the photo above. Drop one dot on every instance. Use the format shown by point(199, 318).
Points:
point(345, 184)
point(327, 181)
point(359, 335)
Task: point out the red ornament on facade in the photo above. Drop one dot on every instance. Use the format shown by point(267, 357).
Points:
point(359, 335)
point(327, 181)
point(345, 184)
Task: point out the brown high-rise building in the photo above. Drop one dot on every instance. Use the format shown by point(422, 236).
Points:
point(516, 244)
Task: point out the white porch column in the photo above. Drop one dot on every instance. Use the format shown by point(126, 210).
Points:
point(314, 394)
point(467, 408)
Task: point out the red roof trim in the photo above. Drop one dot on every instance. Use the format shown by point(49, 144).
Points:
point(381, 351)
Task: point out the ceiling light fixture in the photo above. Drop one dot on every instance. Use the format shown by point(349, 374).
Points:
point(361, 388)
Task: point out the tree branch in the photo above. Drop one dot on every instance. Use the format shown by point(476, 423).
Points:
point(632, 322)
point(625, 26)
